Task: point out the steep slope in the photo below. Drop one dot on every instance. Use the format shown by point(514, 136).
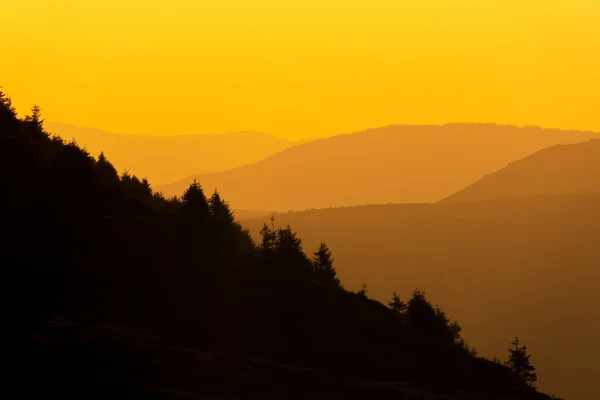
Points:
point(394, 164)
point(115, 292)
point(561, 169)
point(526, 266)
point(165, 159)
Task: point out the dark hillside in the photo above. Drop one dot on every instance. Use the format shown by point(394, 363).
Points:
point(526, 265)
point(115, 291)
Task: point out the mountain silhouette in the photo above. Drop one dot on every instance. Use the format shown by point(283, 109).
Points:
point(560, 169)
point(527, 265)
point(165, 159)
point(115, 291)
point(393, 164)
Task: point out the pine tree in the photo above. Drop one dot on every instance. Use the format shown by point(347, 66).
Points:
point(420, 312)
point(323, 266)
point(194, 207)
point(146, 188)
point(267, 244)
point(7, 111)
point(397, 305)
point(288, 245)
point(106, 173)
point(136, 188)
point(36, 117)
point(220, 211)
point(363, 291)
point(519, 364)
point(289, 254)
point(455, 330)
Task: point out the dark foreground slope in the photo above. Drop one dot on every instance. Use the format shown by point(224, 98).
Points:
point(526, 266)
point(393, 164)
point(156, 368)
point(562, 169)
point(114, 292)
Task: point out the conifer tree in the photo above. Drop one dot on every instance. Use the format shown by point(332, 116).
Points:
point(147, 189)
point(105, 172)
point(397, 305)
point(287, 249)
point(519, 363)
point(323, 266)
point(220, 211)
point(455, 330)
point(8, 114)
point(36, 117)
point(363, 291)
point(33, 123)
point(420, 312)
point(267, 244)
point(194, 207)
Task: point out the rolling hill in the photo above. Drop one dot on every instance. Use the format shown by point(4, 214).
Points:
point(164, 159)
point(393, 164)
point(560, 169)
point(524, 266)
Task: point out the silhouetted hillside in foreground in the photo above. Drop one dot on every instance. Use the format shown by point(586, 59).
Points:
point(526, 265)
point(166, 159)
point(393, 164)
point(116, 292)
point(561, 169)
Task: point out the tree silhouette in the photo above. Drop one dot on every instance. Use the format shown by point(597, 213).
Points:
point(136, 188)
point(397, 305)
point(420, 312)
point(323, 266)
point(36, 117)
point(267, 243)
point(363, 291)
point(432, 319)
point(72, 174)
point(106, 173)
point(220, 211)
point(289, 253)
point(8, 114)
point(455, 330)
point(519, 363)
point(194, 206)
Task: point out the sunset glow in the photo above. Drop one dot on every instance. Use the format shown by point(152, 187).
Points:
point(300, 69)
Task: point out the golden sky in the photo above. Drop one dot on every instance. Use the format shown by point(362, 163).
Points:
point(302, 68)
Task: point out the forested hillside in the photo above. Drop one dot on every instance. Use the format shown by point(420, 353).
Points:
point(116, 292)
point(525, 265)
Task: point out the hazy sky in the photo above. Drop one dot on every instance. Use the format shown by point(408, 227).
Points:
point(302, 68)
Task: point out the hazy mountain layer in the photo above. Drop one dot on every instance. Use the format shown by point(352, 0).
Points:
point(561, 169)
point(393, 164)
point(526, 266)
point(165, 159)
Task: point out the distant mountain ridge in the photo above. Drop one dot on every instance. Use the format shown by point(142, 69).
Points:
point(560, 169)
point(392, 164)
point(164, 159)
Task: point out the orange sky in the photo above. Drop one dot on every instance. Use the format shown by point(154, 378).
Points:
point(302, 68)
